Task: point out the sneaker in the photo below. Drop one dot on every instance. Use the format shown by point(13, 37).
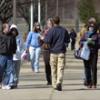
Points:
point(6, 87)
point(94, 87)
point(89, 86)
point(36, 71)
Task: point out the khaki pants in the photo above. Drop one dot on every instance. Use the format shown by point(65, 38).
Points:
point(57, 62)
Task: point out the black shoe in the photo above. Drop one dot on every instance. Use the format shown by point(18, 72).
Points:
point(59, 87)
point(88, 85)
point(85, 83)
point(49, 83)
point(14, 86)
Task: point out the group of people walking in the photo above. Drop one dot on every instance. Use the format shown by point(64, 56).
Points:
point(53, 41)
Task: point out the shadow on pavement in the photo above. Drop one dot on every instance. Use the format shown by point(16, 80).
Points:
point(33, 86)
point(81, 89)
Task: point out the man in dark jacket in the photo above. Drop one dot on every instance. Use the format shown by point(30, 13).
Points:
point(73, 38)
point(7, 49)
point(58, 40)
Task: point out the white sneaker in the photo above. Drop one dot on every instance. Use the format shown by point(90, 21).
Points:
point(6, 87)
point(36, 71)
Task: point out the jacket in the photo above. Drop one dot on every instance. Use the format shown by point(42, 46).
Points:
point(58, 39)
point(7, 44)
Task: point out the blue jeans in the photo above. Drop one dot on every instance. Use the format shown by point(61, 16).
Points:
point(6, 67)
point(34, 56)
point(2, 66)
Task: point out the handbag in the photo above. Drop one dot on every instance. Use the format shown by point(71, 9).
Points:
point(85, 52)
point(77, 53)
point(46, 46)
point(25, 56)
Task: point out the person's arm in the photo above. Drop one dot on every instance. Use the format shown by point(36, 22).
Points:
point(14, 44)
point(48, 38)
point(75, 35)
point(28, 40)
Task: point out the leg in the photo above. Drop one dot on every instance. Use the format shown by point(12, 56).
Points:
point(37, 56)
point(73, 44)
point(94, 68)
point(46, 56)
point(53, 63)
point(60, 70)
point(16, 65)
point(8, 77)
point(87, 72)
point(2, 66)
point(32, 56)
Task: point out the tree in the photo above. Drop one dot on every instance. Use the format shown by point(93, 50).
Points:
point(86, 10)
point(23, 11)
point(5, 10)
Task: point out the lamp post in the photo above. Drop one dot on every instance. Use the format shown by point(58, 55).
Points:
point(14, 11)
point(39, 11)
point(31, 16)
point(57, 4)
point(76, 17)
point(46, 9)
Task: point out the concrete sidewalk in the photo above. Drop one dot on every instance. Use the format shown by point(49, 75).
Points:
point(33, 86)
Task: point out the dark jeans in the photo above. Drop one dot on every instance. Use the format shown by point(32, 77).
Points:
point(73, 44)
point(91, 69)
point(46, 56)
point(6, 69)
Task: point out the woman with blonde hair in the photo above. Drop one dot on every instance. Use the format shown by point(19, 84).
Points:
point(33, 46)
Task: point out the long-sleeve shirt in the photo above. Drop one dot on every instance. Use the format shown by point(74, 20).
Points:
point(33, 40)
point(58, 39)
point(17, 55)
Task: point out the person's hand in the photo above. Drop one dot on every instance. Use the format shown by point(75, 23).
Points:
point(42, 37)
point(27, 50)
point(89, 39)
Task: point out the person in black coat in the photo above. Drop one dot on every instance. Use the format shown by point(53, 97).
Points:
point(7, 49)
point(90, 66)
point(73, 38)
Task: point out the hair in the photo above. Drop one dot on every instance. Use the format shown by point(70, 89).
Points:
point(92, 23)
point(92, 19)
point(14, 31)
point(72, 30)
point(56, 20)
point(51, 20)
point(4, 26)
point(35, 27)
